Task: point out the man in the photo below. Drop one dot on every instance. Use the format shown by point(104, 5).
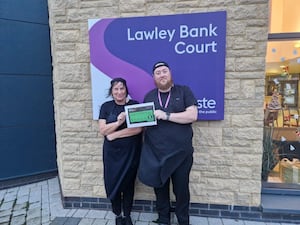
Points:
point(167, 152)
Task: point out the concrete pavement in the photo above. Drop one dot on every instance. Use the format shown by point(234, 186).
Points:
point(40, 204)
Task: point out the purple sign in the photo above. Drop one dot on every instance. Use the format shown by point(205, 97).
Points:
point(192, 44)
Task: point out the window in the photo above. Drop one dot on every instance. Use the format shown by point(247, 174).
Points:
point(282, 100)
point(284, 16)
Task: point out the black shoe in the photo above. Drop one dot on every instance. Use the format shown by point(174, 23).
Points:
point(159, 223)
point(119, 220)
point(127, 220)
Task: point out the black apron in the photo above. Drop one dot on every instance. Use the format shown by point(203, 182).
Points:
point(154, 169)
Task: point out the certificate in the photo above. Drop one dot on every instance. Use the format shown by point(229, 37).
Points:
point(140, 115)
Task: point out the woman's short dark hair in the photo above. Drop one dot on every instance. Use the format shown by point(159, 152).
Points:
point(114, 81)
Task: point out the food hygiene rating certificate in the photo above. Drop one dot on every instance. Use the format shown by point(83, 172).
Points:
point(140, 115)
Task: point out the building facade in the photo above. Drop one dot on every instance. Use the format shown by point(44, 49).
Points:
point(226, 174)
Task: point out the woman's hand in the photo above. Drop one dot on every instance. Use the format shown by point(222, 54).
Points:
point(110, 137)
point(121, 118)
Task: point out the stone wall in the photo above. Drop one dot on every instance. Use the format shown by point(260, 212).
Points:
point(227, 159)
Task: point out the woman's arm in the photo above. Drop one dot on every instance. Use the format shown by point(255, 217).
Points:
point(108, 128)
point(127, 132)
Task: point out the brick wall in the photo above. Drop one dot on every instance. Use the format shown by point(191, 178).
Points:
point(227, 159)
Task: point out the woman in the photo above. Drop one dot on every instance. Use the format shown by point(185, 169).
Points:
point(121, 151)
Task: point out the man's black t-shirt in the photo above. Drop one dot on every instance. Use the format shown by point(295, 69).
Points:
point(167, 135)
point(167, 144)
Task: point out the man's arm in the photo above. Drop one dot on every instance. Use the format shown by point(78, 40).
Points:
point(188, 116)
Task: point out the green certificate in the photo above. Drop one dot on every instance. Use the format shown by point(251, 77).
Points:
point(140, 115)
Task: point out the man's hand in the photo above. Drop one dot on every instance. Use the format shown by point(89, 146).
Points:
point(160, 115)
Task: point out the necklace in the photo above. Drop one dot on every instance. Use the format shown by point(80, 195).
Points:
point(160, 101)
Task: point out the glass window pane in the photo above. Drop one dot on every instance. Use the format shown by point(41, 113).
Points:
point(284, 16)
point(283, 57)
point(282, 110)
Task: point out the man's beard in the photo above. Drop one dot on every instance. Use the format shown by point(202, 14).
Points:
point(164, 87)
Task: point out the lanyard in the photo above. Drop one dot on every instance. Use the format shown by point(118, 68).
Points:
point(167, 101)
